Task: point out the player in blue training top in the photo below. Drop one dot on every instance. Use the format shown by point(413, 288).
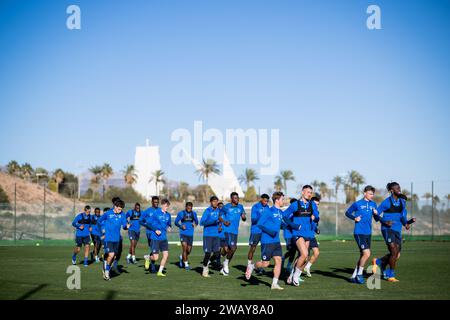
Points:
point(258, 210)
point(186, 221)
point(231, 215)
point(313, 243)
point(210, 222)
point(222, 242)
point(96, 235)
point(270, 224)
point(362, 212)
point(145, 217)
point(160, 223)
point(300, 217)
point(291, 250)
point(134, 232)
point(392, 215)
point(82, 224)
point(113, 221)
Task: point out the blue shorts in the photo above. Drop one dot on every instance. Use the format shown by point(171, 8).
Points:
point(211, 244)
point(82, 240)
point(391, 236)
point(270, 250)
point(134, 235)
point(295, 239)
point(96, 239)
point(255, 238)
point(231, 240)
point(188, 239)
point(149, 240)
point(160, 246)
point(363, 241)
point(313, 243)
point(112, 247)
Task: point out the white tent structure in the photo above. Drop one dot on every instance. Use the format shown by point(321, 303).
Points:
point(146, 162)
point(225, 183)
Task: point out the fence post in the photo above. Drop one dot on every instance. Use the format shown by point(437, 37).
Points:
point(432, 210)
point(336, 209)
point(15, 213)
point(412, 207)
point(44, 211)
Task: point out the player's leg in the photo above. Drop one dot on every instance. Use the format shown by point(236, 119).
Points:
point(187, 252)
point(394, 249)
point(232, 246)
point(155, 255)
point(76, 251)
point(147, 257)
point(87, 251)
point(303, 246)
point(208, 248)
point(164, 247)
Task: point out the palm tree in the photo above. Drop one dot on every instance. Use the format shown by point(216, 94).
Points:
point(27, 171)
point(278, 183)
point(158, 177)
point(355, 179)
point(129, 175)
point(13, 168)
point(324, 191)
point(41, 172)
point(107, 172)
point(58, 176)
point(183, 190)
point(286, 175)
point(427, 196)
point(337, 181)
point(448, 199)
point(209, 166)
point(97, 176)
point(315, 184)
point(248, 177)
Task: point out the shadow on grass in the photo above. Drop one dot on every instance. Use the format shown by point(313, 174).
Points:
point(254, 281)
point(335, 273)
point(110, 295)
point(33, 291)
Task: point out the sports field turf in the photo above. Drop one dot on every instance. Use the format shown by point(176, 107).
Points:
point(30, 272)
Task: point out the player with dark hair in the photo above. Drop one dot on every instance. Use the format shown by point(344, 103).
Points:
point(160, 223)
point(392, 215)
point(143, 221)
point(270, 224)
point(186, 221)
point(82, 224)
point(300, 217)
point(134, 232)
point(210, 222)
point(362, 212)
point(258, 210)
point(96, 235)
point(112, 221)
point(313, 243)
point(231, 215)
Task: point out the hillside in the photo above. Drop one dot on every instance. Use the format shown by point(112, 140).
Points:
point(30, 197)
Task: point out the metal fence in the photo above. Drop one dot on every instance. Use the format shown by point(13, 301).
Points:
point(45, 220)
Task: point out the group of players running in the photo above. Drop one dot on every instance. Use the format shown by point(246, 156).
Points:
point(299, 222)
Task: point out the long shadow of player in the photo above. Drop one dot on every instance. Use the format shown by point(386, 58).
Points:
point(254, 281)
point(121, 271)
point(335, 273)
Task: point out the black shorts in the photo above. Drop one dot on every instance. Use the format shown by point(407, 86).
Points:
point(391, 236)
point(255, 239)
point(149, 240)
point(313, 243)
point(160, 246)
point(96, 239)
point(231, 240)
point(112, 247)
point(223, 242)
point(270, 250)
point(211, 244)
point(188, 239)
point(134, 235)
point(82, 240)
point(363, 241)
point(288, 244)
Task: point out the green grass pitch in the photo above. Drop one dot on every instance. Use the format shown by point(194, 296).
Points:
point(31, 272)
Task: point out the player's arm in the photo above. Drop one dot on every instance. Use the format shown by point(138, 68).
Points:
point(75, 222)
point(350, 211)
point(380, 216)
point(254, 215)
point(243, 215)
point(265, 226)
point(178, 220)
point(195, 219)
point(125, 224)
point(315, 213)
point(206, 221)
point(287, 217)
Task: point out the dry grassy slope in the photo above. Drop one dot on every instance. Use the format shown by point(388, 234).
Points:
point(30, 197)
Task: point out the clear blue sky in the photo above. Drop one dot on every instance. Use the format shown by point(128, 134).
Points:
point(344, 97)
